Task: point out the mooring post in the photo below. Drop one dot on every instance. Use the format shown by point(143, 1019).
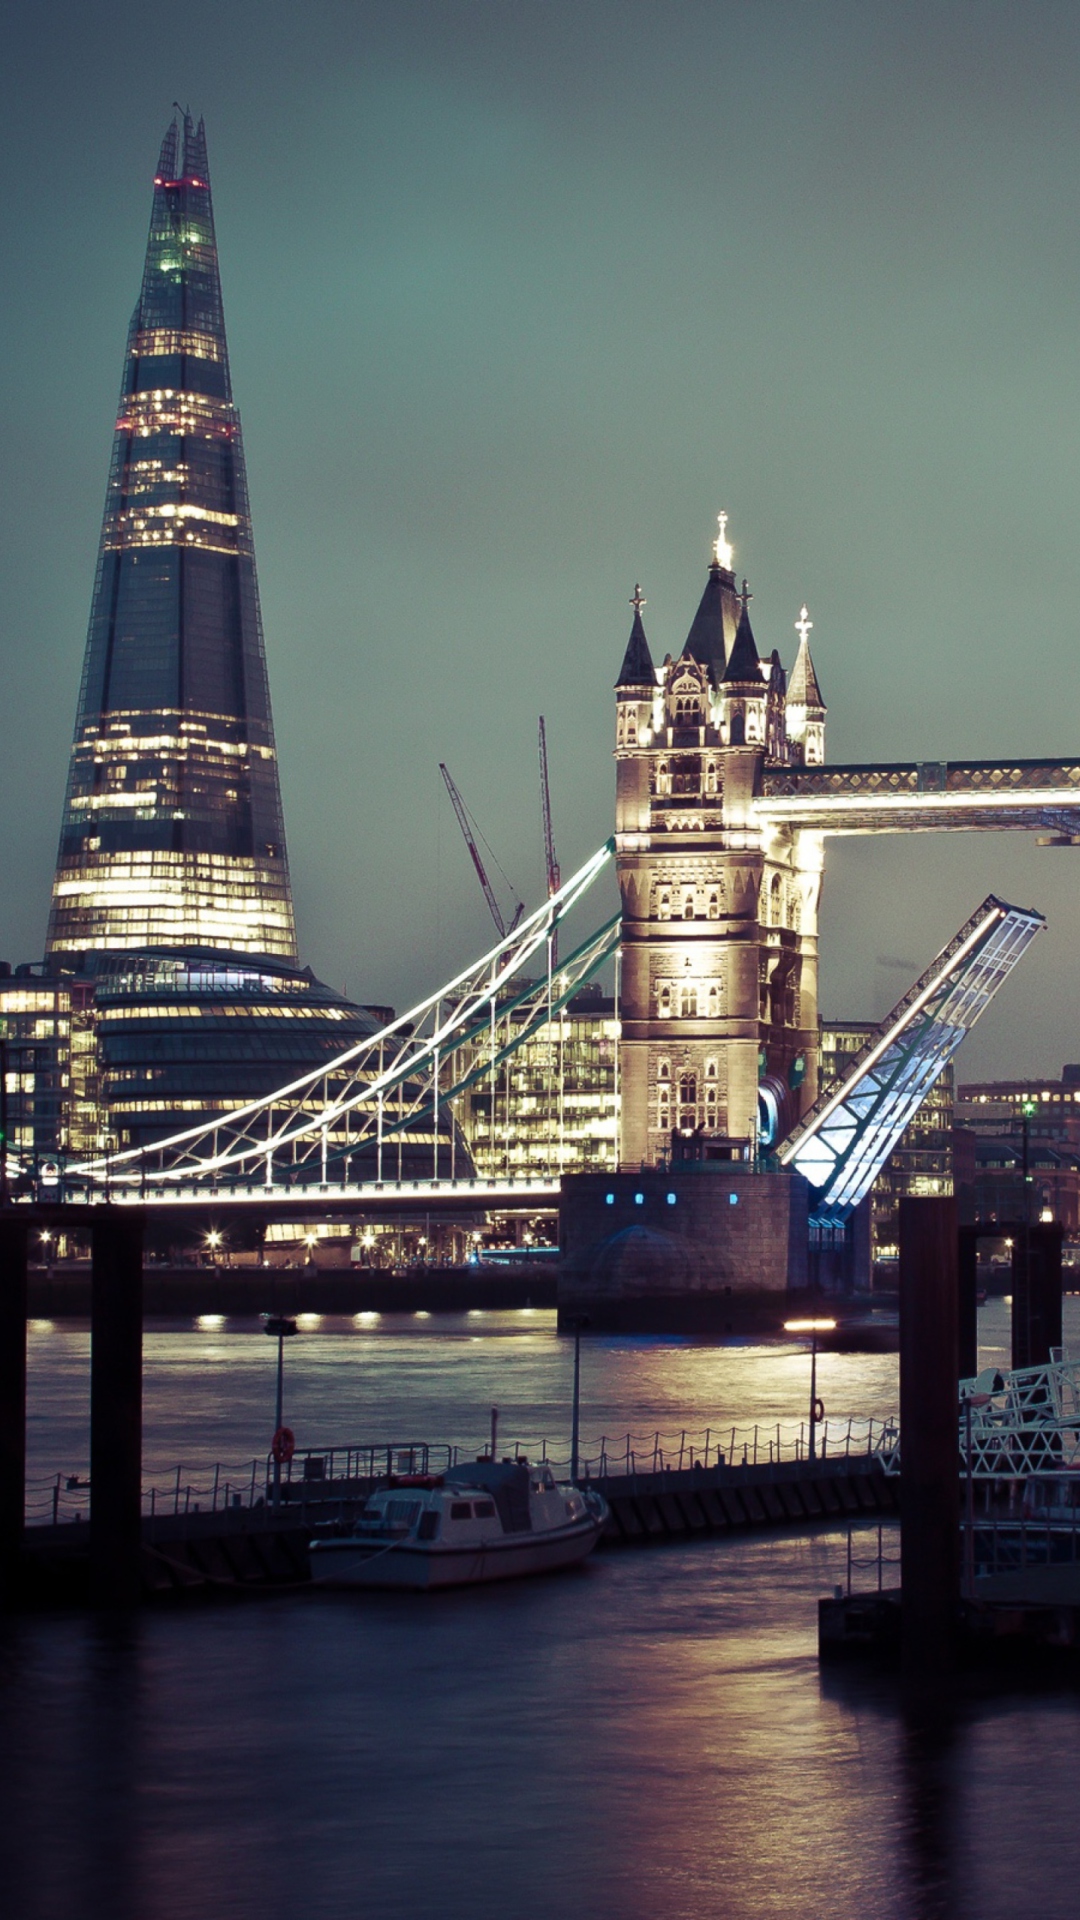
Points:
point(12, 1399)
point(1036, 1284)
point(929, 1433)
point(968, 1302)
point(116, 1408)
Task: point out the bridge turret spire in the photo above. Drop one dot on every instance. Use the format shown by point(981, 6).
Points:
point(712, 630)
point(743, 666)
point(805, 707)
point(637, 669)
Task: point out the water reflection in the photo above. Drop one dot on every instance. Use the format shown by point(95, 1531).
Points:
point(387, 1376)
point(647, 1736)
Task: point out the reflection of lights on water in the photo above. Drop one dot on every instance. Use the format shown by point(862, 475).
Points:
point(39, 1326)
point(210, 1321)
point(365, 1319)
point(421, 1316)
point(309, 1319)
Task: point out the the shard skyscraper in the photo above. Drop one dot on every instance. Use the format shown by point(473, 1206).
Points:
point(172, 834)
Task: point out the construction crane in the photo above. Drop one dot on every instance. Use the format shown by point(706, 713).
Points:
point(465, 824)
point(553, 879)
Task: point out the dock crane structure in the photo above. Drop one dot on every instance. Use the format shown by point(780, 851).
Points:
point(553, 877)
point(465, 824)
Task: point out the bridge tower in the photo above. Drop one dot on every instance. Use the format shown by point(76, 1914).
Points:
point(719, 1002)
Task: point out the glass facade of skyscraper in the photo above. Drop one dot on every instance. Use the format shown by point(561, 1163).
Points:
point(172, 833)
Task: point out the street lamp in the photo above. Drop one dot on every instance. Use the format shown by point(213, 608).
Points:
point(817, 1411)
point(280, 1327)
point(1026, 1111)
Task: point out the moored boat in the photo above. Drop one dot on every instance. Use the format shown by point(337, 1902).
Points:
point(490, 1520)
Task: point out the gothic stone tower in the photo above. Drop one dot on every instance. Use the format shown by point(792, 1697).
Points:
point(719, 983)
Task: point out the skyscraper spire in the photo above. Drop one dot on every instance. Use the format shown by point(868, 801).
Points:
point(172, 833)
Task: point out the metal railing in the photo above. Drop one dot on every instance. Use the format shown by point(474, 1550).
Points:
point(876, 1562)
point(1011, 1546)
point(331, 1473)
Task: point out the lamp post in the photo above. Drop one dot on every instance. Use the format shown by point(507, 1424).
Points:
point(577, 1322)
point(817, 1411)
point(280, 1327)
point(1026, 1110)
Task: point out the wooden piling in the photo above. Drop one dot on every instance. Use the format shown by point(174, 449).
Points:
point(1036, 1284)
point(116, 1408)
point(929, 1433)
point(968, 1302)
point(12, 1400)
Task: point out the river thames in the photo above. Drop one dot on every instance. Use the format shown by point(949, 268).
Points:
point(648, 1735)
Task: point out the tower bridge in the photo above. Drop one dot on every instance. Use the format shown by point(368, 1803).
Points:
point(231, 1074)
point(724, 803)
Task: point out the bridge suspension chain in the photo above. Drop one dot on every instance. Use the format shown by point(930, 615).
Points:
point(394, 1082)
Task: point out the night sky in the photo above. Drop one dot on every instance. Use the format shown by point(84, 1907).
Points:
point(519, 296)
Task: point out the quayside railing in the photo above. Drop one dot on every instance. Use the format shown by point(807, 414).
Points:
point(314, 1474)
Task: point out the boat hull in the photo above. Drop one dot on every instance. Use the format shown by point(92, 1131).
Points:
point(407, 1564)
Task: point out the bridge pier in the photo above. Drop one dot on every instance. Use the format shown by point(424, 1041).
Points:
point(929, 1479)
point(116, 1408)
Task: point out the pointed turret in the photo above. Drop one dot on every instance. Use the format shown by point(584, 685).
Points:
point(743, 666)
point(744, 686)
point(803, 689)
point(637, 669)
point(805, 706)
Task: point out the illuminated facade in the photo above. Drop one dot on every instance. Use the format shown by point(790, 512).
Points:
point(1051, 1107)
point(719, 973)
point(52, 1082)
point(723, 806)
point(551, 1106)
point(172, 833)
point(186, 1038)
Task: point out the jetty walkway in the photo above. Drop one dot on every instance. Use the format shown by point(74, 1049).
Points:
point(237, 1530)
